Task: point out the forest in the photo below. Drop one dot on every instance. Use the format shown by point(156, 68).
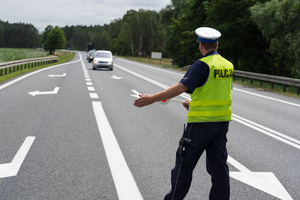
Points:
point(259, 36)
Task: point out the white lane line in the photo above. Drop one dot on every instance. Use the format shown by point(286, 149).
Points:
point(124, 182)
point(87, 79)
point(156, 68)
point(270, 98)
point(237, 118)
point(89, 83)
point(91, 88)
point(94, 96)
point(150, 80)
point(267, 131)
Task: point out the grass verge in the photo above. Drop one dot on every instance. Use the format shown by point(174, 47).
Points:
point(277, 88)
point(64, 56)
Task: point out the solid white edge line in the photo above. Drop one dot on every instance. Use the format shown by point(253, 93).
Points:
point(267, 133)
point(270, 98)
point(267, 129)
point(156, 68)
point(124, 182)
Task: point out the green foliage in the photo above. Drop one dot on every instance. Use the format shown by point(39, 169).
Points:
point(18, 35)
point(181, 39)
point(282, 32)
point(54, 39)
point(241, 42)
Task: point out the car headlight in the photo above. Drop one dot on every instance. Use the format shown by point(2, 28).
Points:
point(95, 61)
point(109, 63)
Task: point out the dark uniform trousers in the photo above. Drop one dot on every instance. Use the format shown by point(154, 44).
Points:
point(211, 137)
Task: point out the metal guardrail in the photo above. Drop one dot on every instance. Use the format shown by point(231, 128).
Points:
point(13, 66)
point(264, 78)
point(269, 78)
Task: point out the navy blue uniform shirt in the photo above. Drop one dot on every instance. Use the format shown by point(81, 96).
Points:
point(197, 74)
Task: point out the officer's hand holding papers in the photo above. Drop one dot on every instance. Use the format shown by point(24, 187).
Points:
point(147, 99)
point(144, 100)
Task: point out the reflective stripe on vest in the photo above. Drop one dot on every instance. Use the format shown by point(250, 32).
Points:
point(212, 101)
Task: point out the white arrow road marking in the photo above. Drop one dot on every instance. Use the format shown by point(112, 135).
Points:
point(136, 94)
point(12, 168)
point(64, 74)
point(45, 92)
point(264, 181)
point(115, 77)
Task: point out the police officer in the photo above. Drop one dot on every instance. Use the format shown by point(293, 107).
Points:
point(209, 81)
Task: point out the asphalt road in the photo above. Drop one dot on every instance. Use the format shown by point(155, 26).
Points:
point(70, 132)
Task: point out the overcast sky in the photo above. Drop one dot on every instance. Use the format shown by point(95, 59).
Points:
point(42, 13)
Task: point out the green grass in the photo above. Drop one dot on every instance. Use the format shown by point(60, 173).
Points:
point(63, 57)
point(11, 54)
point(277, 88)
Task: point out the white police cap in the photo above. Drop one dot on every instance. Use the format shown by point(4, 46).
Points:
point(206, 34)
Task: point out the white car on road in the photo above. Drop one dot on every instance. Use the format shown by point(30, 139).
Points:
point(103, 59)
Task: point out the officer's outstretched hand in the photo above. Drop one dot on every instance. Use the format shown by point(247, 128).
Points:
point(186, 104)
point(144, 100)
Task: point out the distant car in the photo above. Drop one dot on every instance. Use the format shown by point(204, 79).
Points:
point(91, 56)
point(88, 54)
point(103, 59)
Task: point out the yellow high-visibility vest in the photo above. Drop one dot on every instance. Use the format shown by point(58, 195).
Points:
point(212, 101)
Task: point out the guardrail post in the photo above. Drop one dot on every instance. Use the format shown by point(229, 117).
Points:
point(298, 92)
point(14, 66)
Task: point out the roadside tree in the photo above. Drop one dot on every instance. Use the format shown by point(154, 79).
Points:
point(55, 39)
